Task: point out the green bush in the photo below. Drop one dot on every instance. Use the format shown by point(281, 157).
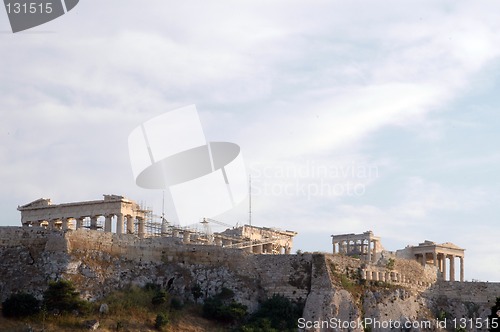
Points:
point(223, 308)
point(20, 305)
point(159, 298)
point(197, 292)
point(277, 313)
point(62, 295)
point(176, 304)
point(161, 320)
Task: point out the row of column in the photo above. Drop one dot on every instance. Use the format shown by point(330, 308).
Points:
point(391, 277)
point(439, 260)
point(122, 221)
point(361, 247)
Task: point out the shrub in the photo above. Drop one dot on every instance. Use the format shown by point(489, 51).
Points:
point(197, 292)
point(161, 320)
point(20, 305)
point(222, 307)
point(277, 313)
point(62, 295)
point(176, 304)
point(159, 298)
point(391, 264)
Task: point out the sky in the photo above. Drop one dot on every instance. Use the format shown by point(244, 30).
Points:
point(351, 116)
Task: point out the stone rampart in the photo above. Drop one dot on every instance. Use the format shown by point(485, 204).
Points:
point(475, 292)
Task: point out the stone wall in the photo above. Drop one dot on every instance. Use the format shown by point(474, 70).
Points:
point(100, 262)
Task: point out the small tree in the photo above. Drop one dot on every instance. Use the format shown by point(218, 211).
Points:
point(277, 313)
point(161, 320)
point(222, 307)
point(197, 292)
point(159, 298)
point(62, 295)
point(20, 305)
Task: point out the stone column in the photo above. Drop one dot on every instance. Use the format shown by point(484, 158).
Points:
point(119, 223)
point(79, 222)
point(52, 224)
point(462, 268)
point(434, 256)
point(288, 250)
point(186, 237)
point(375, 249)
point(130, 224)
point(452, 268)
point(107, 223)
point(64, 223)
point(93, 222)
point(141, 228)
point(334, 250)
point(424, 259)
point(369, 251)
point(444, 267)
point(257, 249)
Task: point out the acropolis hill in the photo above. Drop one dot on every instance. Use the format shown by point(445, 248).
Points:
point(358, 279)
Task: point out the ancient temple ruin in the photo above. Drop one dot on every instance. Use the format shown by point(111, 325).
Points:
point(121, 215)
point(367, 247)
point(124, 213)
point(436, 255)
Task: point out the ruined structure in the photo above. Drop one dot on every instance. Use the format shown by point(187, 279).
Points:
point(364, 245)
point(128, 217)
point(429, 254)
point(114, 209)
point(259, 240)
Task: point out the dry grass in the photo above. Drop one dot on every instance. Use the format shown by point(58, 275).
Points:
point(130, 310)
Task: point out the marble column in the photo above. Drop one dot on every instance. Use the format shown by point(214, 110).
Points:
point(130, 224)
point(93, 222)
point(142, 227)
point(452, 268)
point(369, 251)
point(119, 223)
point(444, 267)
point(186, 237)
point(64, 223)
point(461, 268)
point(434, 256)
point(107, 223)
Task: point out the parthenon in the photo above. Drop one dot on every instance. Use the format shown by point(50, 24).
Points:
point(128, 217)
point(118, 209)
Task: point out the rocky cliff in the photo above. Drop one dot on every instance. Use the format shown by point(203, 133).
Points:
point(335, 296)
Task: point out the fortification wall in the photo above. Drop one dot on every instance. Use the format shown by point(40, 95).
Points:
point(476, 292)
point(100, 262)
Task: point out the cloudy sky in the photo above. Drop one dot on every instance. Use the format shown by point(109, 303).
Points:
point(351, 116)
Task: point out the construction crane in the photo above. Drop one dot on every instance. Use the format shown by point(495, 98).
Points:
point(213, 221)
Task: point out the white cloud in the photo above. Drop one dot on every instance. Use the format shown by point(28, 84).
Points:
point(288, 81)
